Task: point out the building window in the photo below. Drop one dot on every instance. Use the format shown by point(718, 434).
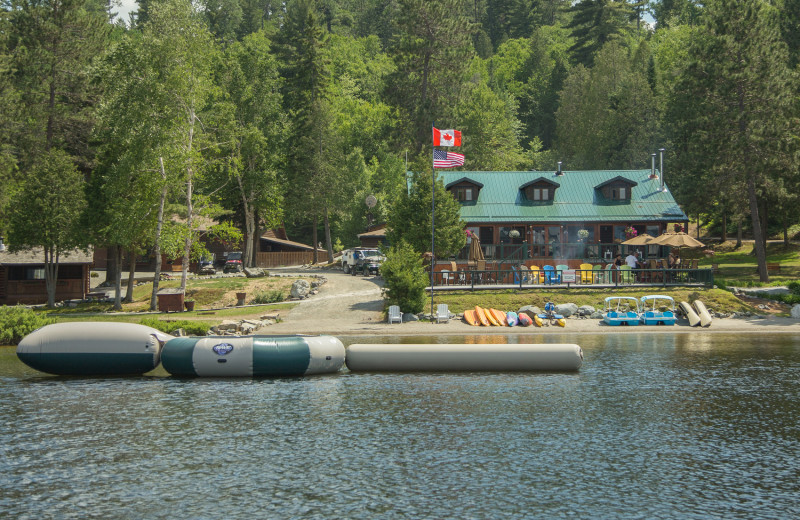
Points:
point(619, 193)
point(463, 194)
point(540, 194)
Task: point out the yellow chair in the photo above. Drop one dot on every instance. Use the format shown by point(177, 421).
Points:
point(536, 275)
point(586, 273)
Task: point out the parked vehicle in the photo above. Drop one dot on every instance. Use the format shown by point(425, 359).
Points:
point(357, 259)
point(206, 265)
point(233, 263)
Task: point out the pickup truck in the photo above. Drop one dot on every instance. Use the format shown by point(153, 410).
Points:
point(361, 260)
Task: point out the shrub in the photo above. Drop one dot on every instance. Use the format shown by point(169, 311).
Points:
point(794, 288)
point(17, 321)
point(404, 278)
point(268, 297)
point(193, 328)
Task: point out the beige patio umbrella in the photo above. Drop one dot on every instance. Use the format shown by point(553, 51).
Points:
point(475, 251)
point(676, 240)
point(639, 240)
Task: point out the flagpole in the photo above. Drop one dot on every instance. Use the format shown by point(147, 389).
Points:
point(433, 213)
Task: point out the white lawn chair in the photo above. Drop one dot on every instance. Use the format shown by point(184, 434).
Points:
point(442, 313)
point(395, 315)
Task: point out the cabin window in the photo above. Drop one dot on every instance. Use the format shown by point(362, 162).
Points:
point(618, 193)
point(538, 193)
point(464, 193)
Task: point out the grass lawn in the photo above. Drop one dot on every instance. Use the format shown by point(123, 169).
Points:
point(715, 299)
point(215, 300)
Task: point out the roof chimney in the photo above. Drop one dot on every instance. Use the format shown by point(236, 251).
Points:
point(559, 172)
point(661, 169)
point(652, 166)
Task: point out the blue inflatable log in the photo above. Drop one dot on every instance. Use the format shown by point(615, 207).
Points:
point(253, 356)
point(92, 348)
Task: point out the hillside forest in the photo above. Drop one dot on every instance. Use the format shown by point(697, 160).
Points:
point(251, 114)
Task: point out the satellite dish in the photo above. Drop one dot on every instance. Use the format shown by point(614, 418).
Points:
point(371, 201)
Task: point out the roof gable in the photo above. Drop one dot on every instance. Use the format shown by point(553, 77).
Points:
point(463, 180)
point(537, 181)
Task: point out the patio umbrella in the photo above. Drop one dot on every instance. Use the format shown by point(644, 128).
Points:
point(475, 251)
point(639, 240)
point(676, 240)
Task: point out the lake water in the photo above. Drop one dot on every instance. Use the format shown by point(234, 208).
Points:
point(698, 425)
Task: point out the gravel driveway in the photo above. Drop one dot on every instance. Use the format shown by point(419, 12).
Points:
point(345, 303)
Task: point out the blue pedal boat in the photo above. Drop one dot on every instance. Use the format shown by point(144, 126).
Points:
point(658, 309)
point(621, 310)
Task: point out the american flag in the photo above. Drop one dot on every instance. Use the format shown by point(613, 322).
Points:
point(447, 159)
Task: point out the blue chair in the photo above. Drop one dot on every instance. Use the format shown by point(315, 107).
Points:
point(550, 275)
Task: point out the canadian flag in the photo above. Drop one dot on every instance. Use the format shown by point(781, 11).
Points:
point(446, 137)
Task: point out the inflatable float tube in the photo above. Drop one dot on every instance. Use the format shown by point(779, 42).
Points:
point(463, 358)
point(252, 356)
point(92, 349)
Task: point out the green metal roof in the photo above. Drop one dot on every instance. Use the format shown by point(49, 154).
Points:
point(575, 200)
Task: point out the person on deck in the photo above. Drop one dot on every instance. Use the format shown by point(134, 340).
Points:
point(618, 260)
point(632, 261)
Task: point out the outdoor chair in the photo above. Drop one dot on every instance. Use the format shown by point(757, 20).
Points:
point(625, 273)
point(611, 271)
point(520, 274)
point(395, 315)
point(525, 273)
point(597, 274)
point(442, 313)
point(550, 275)
point(560, 268)
point(536, 275)
point(447, 277)
point(586, 273)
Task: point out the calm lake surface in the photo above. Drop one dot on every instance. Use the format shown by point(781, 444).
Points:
point(698, 425)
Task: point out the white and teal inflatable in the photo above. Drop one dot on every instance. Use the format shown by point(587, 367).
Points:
point(92, 348)
point(252, 356)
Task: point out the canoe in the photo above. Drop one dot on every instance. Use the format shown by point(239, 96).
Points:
point(500, 316)
point(694, 319)
point(511, 318)
point(481, 316)
point(525, 320)
point(705, 317)
point(537, 320)
point(471, 318)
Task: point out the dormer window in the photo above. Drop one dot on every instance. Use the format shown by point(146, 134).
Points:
point(465, 189)
point(539, 190)
point(617, 189)
point(462, 194)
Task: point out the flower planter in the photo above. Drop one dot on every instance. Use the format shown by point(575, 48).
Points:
point(188, 305)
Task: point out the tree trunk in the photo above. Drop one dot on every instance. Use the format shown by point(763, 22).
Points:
point(314, 240)
point(724, 234)
point(764, 231)
point(785, 230)
point(157, 246)
point(111, 265)
point(249, 224)
point(758, 237)
point(118, 279)
point(131, 275)
point(739, 233)
point(50, 275)
point(187, 246)
point(256, 238)
point(328, 244)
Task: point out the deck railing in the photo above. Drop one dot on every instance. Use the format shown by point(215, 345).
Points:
point(572, 250)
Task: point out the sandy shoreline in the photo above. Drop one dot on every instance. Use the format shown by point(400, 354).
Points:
point(767, 325)
point(353, 306)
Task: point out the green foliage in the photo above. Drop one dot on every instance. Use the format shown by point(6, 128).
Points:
point(17, 321)
point(193, 328)
point(595, 23)
point(404, 278)
point(410, 218)
point(264, 297)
